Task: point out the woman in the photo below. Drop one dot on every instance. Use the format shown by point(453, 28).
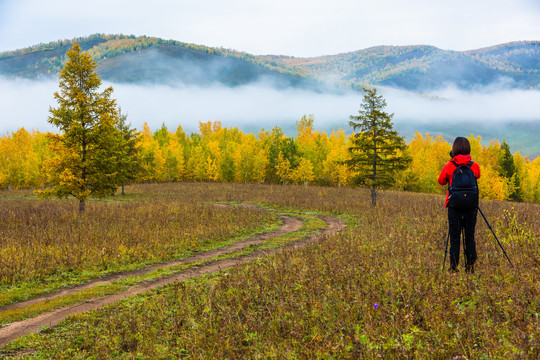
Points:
point(460, 216)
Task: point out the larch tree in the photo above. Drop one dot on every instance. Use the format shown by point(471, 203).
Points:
point(377, 151)
point(89, 151)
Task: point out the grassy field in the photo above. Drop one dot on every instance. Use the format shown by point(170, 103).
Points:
point(373, 291)
point(46, 245)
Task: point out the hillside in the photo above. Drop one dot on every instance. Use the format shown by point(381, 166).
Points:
point(144, 59)
point(414, 68)
point(420, 68)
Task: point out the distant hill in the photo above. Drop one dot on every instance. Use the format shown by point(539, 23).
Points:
point(130, 59)
point(420, 68)
point(414, 68)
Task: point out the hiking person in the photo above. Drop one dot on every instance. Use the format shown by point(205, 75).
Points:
point(460, 173)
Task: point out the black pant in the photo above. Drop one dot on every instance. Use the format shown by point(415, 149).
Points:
point(458, 220)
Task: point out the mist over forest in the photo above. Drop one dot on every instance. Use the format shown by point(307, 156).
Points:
point(492, 114)
point(167, 82)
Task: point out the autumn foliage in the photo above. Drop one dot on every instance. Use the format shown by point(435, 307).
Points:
point(219, 154)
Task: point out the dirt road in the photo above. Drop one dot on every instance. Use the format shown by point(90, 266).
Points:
point(289, 224)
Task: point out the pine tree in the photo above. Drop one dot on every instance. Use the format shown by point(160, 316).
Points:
point(89, 148)
point(377, 151)
point(508, 170)
point(506, 161)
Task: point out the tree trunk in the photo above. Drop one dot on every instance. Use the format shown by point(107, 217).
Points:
point(373, 196)
point(123, 192)
point(83, 174)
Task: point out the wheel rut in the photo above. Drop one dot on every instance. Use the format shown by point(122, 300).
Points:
point(51, 318)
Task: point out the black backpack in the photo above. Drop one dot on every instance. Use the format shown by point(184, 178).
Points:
point(463, 194)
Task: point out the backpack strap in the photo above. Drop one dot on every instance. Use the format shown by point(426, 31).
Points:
point(469, 164)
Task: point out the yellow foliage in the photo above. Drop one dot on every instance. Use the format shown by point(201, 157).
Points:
point(283, 168)
point(491, 185)
point(25, 160)
point(211, 169)
point(429, 155)
point(303, 173)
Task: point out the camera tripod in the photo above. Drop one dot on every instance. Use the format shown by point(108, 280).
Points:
point(463, 236)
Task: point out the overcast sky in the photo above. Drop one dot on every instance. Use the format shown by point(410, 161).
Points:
point(284, 27)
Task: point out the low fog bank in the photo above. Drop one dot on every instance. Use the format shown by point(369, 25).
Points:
point(509, 114)
point(489, 105)
point(249, 107)
point(25, 103)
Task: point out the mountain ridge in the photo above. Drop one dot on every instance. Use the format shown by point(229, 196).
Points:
point(417, 68)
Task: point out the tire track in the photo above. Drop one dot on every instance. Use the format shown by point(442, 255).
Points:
point(18, 329)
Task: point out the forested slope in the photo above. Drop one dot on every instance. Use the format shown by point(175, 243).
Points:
point(420, 68)
point(416, 68)
point(151, 60)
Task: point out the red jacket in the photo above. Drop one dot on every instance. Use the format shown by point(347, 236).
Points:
point(448, 170)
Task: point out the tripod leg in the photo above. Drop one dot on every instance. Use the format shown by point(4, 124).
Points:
point(463, 240)
point(446, 249)
point(493, 232)
point(469, 268)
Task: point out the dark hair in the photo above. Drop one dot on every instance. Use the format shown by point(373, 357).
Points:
point(461, 146)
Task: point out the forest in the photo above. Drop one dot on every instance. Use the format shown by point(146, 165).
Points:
point(220, 154)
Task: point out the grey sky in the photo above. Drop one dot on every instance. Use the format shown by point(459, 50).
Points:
point(288, 27)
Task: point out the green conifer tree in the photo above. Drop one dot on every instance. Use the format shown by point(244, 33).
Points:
point(506, 161)
point(377, 151)
point(508, 170)
point(90, 149)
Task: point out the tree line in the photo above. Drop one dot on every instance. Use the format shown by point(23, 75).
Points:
point(217, 153)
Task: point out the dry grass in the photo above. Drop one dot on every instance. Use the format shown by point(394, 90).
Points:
point(375, 291)
point(43, 243)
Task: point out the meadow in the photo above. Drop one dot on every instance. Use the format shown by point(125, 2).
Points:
point(46, 245)
point(375, 290)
